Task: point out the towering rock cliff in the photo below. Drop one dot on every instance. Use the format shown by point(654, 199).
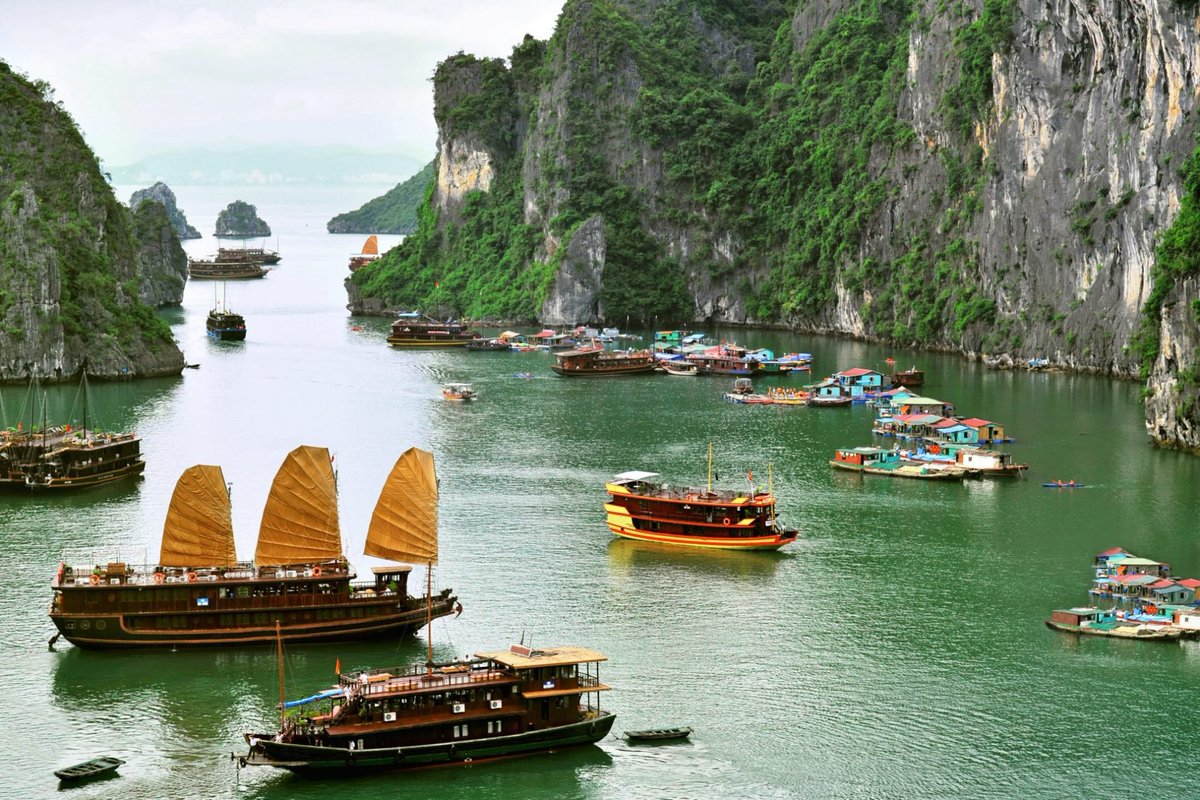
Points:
point(990, 179)
point(393, 212)
point(162, 194)
point(69, 263)
point(161, 261)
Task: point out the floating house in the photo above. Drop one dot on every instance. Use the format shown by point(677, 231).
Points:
point(987, 432)
point(924, 405)
point(859, 381)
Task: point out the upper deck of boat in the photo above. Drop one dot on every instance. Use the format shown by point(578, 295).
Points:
point(635, 484)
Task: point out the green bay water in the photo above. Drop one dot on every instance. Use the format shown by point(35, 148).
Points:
point(896, 650)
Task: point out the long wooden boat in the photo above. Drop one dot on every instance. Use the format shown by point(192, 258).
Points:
point(67, 458)
point(909, 377)
point(596, 362)
point(199, 269)
point(226, 326)
point(412, 330)
point(199, 594)
point(658, 735)
point(644, 509)
point(494, 705)
point(86, 771)
point(253, 255)
point(678, 369)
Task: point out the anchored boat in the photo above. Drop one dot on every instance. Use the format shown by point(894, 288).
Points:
point(496, 704)
point(199, 593)
point(644, 509)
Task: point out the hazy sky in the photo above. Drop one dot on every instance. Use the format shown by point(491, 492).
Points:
point(147, 76)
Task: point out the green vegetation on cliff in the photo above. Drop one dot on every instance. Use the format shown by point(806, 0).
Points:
point(393, 212)
point(788, 142)
point(240, 218)
point(61, 226)
point(1176, 257)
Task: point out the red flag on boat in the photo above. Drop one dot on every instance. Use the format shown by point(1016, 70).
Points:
point(750, 475)
point(889, 360)
point(337, 667)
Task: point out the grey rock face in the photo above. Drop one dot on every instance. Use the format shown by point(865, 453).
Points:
point(161, 261)
point(575, 295)
point(241, 219)
point(162, 194)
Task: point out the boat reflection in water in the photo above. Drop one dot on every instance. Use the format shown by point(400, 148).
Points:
point(628, 555)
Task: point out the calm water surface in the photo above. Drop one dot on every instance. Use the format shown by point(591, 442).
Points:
point(895, 651)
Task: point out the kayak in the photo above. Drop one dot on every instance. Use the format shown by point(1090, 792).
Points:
point(1063, 485)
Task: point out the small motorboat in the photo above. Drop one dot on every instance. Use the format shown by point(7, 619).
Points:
point(96, 768)
point(658, 735)
point(458, 391)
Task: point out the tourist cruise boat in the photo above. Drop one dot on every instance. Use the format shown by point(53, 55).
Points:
point(650, 511)
point(225, 270)
point(200, 594)
point(254, 255)
point(412, 330)
point(496, 704)
point(596, 362)
point(226, 326)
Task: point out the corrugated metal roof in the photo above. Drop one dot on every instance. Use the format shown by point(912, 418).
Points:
point(1112, 551)
point(976, 422)
point(1190, 583)
point(854, 372)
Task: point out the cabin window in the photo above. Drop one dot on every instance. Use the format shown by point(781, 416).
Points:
point(460, 731)
point(494, 726)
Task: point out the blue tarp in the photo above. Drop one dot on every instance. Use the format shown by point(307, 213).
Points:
point(334, 692)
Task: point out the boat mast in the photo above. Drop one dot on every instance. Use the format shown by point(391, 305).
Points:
point(429, 615)
point(771, 492)
point(279, 653)
point(710, 467)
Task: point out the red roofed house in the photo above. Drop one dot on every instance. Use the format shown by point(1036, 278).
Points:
point(988, 431)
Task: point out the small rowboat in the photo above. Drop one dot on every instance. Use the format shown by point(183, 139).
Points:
point(96, 768)
point(658, 735)
point(1063, 485)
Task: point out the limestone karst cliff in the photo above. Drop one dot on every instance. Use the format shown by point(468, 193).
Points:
point(161, 261)
point(69, 262)
point(392, 212)
point(240, 218)
point(162, 194)
point(990, 178)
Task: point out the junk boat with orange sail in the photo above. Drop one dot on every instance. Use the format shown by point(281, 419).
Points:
point(642, 508)
point(370, 252)
point(200, 594)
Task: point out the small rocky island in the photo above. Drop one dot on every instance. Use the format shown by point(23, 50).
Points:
point(77, 268)
point(162, 194)
point(241, 219)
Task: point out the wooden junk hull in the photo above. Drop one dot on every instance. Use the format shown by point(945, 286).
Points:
point(251, 627)
point(308, 759)
point(431, 341)
point(226, 271)
point(63, 482)
point(603, 371)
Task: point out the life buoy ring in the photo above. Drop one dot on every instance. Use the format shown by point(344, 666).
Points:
point(935, 449)
point(191, 577)
point(94, 580)
point(316, 571)
point(159, 577)
point(726, 521)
